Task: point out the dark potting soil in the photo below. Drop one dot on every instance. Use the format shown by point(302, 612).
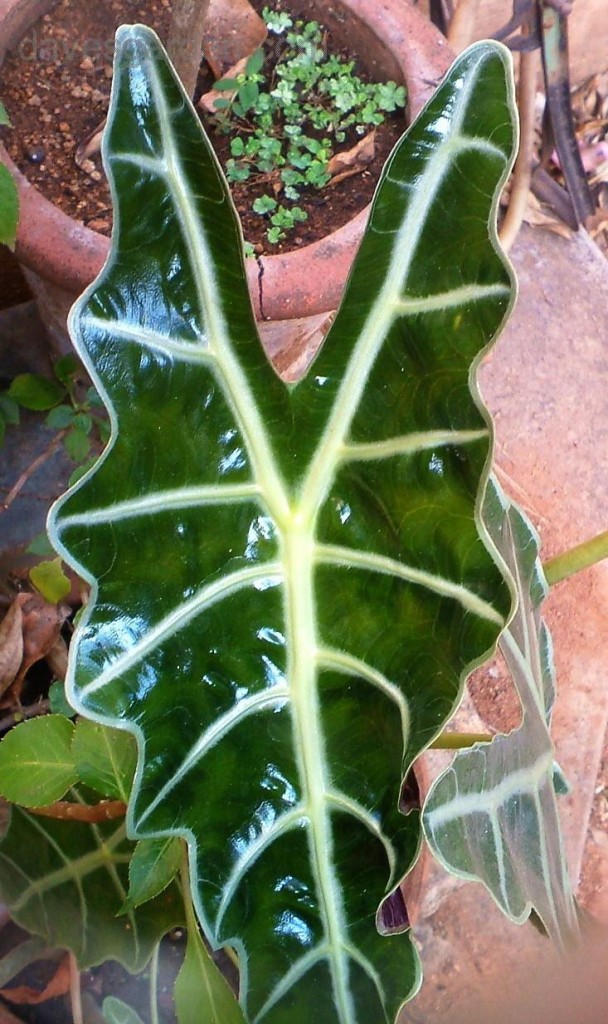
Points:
point(56, 86)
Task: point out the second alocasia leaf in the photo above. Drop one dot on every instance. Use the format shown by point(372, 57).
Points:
point(289, 582)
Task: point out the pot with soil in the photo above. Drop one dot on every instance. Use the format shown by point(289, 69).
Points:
point(61, 255)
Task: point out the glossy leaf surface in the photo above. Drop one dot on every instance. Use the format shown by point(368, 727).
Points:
point(67, 881)
point(289, 582)
point(493, 815)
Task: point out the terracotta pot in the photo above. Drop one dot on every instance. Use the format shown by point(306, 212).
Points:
point(61, 256)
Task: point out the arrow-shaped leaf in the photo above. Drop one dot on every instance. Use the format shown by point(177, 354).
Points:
point(492, 815)
point(289, 583)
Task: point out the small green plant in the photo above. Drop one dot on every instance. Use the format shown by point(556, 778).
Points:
point(72, 410)
point(286, 123)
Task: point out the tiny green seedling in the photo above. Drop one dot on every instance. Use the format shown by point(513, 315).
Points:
point(286, 123)
point(73, 414)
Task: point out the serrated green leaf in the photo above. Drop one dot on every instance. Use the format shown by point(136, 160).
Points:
point(289, 582)
point(50, 580)
point(9, 208)
point(83, 422)
point(116, 1012)
point(105, 759)
point(60, 417)
point(77, 444)
point(35, 392)
point(154, 865)
point(65, 367)
point(492, 816)
point(67, 881)
point(36, 763)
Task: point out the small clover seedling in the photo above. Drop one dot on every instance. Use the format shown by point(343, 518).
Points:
point(287, 122)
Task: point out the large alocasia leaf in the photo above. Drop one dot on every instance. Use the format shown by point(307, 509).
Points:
point(289, 582)
point(492, 815)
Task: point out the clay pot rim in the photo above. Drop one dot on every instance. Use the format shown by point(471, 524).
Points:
point(296, 284)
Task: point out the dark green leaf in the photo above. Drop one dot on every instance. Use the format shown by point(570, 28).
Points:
point(35, 392)
point(61, 416)
point(154, 865)
point(290, 582)
point(9, 409)
point(36, 763)
point(65, 367)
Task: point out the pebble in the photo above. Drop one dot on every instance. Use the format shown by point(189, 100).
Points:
point(34, 101)
point(98, 224)
point(86, 64)
point(35, 154)
point(88, 167)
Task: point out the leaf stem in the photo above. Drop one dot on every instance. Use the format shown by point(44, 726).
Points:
point(75, 992)
point(65, 810)
point(579, 557)
point(18, 486)
point(154, 1018)
point(459, 740)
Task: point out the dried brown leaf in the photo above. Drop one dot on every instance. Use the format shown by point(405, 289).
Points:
point(91, 145)
point(354, 160)
point(59, 985)
point(41, 625)
point(57, 658)
point(540, 216)
point(233, 31)
point(11, 644)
